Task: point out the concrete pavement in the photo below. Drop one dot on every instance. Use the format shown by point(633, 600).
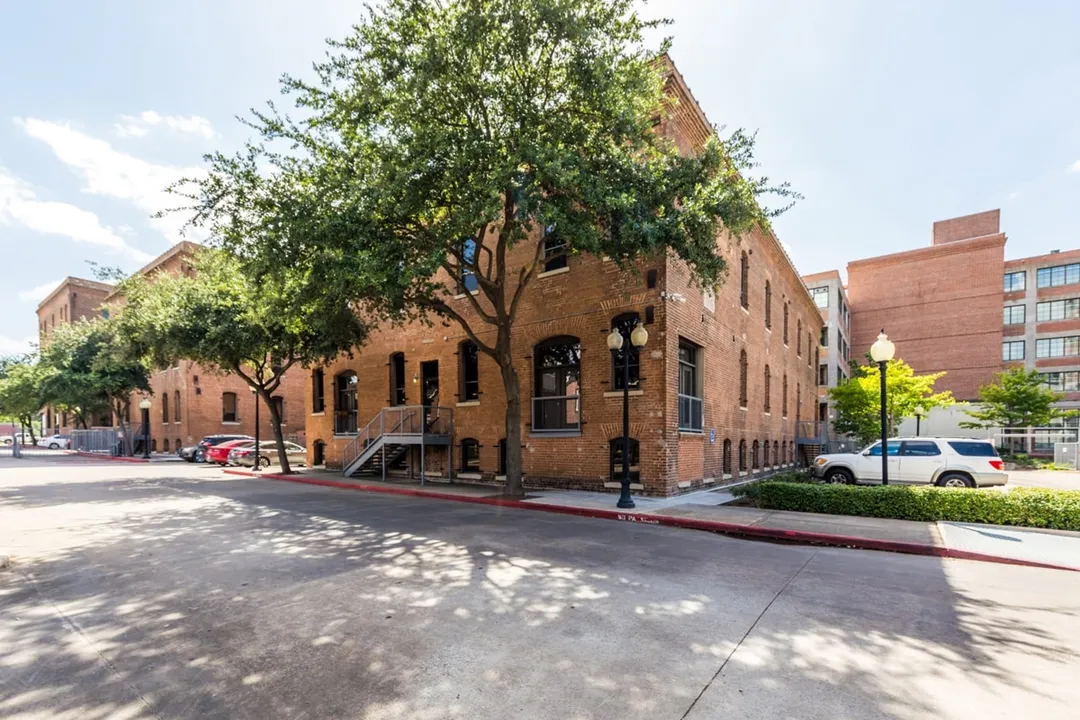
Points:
point(173, 591)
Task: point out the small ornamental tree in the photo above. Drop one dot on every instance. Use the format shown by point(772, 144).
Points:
point(443, 134)
point(1016, 398)
point(21, 395)
point(858, 401)
point(228, 320)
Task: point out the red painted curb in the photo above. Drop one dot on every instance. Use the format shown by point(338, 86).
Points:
point(750, 531)
point(114, 458)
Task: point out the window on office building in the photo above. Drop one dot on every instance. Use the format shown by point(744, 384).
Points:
point(1014, 281)
point(823, 375)
point(821, 296)
point(1057, 347)
point(1068, 381)
point(1058, 310)
point(1014, 315)
point(1013, 350)
point(1059, 275)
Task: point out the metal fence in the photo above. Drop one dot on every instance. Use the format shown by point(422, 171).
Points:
point(95, 440)
point(1065, 453)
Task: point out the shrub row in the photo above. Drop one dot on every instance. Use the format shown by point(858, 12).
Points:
point(1021, 506)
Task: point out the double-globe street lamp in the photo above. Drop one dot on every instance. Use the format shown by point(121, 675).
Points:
point(882, 352)
point(920, 413)
point(144, 405)
point(258, 466)
point(615, 342)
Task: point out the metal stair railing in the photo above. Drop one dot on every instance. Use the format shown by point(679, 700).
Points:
point(410, 421)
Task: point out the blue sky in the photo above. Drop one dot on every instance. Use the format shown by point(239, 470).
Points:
point(887, 116)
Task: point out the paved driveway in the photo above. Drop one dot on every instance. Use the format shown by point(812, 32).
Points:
point(1055, 479)
point(148, 591)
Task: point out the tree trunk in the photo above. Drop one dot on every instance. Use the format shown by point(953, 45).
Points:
point(275, 424)
point(27, 423)
point(128, 445)
point(512, 385)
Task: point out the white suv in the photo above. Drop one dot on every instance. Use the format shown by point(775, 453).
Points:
point(946, 462)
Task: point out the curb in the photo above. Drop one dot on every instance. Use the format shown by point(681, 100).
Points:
point(114, 458)
point(747, 531)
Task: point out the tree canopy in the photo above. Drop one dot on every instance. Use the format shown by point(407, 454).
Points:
point(440, 136)
point(21, 396)
point(858, 402)
point(227, 319)
point(1017, 398)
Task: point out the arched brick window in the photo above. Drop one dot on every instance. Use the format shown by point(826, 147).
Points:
point(615, 466)
point(727, 457)
point(744, 277)
point(744, 394)
point(768, 390)
point(742, 456)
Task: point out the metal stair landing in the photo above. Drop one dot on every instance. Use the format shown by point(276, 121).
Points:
point(392, 432)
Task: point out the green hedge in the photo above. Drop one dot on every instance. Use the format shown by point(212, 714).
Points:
point(1020, 506)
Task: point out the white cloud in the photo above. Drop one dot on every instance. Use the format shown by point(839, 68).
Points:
point(40, 292)
point(139, 125)
point(11, 346)
point(117, 174)
point(1075, 167)
point(20, 205)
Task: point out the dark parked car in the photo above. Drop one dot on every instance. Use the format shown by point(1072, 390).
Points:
point(209, 441)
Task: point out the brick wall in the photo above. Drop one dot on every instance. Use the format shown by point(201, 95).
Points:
point(966, 227)
point(941, 306)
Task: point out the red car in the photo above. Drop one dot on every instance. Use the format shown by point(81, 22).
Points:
point(220, 453)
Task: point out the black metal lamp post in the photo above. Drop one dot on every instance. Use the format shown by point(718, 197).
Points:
point(919, 413)
point(144, 405)
point(882, 352)
point(255, 396)
point(616, 342)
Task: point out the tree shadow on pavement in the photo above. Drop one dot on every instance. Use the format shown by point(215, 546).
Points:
point(201, 598)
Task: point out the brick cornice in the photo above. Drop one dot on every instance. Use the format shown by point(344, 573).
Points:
point(934, 251)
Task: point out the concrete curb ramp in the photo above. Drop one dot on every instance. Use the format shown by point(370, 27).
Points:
point(748, 531)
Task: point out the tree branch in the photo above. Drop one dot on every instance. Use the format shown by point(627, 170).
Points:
point(441, 307)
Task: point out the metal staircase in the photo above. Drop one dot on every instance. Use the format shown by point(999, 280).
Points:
point(392, 432)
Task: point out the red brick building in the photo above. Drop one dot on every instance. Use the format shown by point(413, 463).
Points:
point(188, 401)
point(716, 392)
point(941, 305)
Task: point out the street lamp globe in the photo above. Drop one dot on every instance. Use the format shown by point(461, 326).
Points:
point(883, 349)
point(920, 411)
point(615, 340)
point(640, 336)
point(144, 404)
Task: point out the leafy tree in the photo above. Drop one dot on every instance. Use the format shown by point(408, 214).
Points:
point(21, 395)
point(1017, 398)
point(442, 135)
point(228, 320)
point(88, 366)
point(858, 401)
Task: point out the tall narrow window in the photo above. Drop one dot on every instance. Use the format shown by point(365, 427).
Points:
point(690, 398)
point(765, 454)
point(615, 467)
point(318, 393)
point(742, 456)
point(817, 356)
point(798, 401)
point(470, 371)
point(176, 406)
point(768, 390)
point(744, 278)
point(785, 323)
point(783, 451)
point(228, 407)
point(279, 405)
point(825, 336)
point(744, 390)
point(397, 378)
point(345, 403)
point(809, 344)
point(557, 388)
point(554, 250)
point(164, 407)
point(776, 452)
point(470, 456)
point(798, 337)
point(783, 398)
point(755, 457)
point(165, 447)
point(768, 304)
point(468, 283)
point(727, 457)
point(502, 456)
point(625, 324)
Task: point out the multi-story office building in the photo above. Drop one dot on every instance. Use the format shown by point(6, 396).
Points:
point(719, 390)
point(827, 290)
point(189, 401)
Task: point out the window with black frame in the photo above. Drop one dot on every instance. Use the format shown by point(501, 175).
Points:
point(470, 455)
point(555, 256)
point(469, 283)
point(557, 389)
point(228, 407)
point(726, 460)
point(345, 403)
point(615, 451)
point(690, 399)
point(625, 324)
point(470, 371)
point(318, 396)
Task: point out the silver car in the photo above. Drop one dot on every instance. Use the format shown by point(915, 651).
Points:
point(945, 462)
point(268, 454)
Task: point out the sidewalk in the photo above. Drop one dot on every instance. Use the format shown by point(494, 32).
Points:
point(707, 510)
